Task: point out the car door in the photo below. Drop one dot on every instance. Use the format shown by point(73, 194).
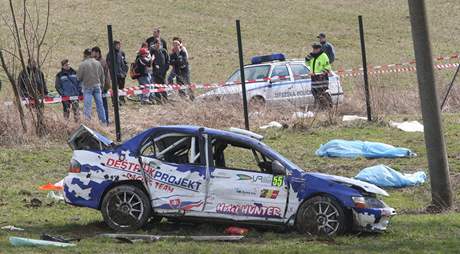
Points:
point(302, 84)
point(176, 172)
point(239, 189)
point(280, 87)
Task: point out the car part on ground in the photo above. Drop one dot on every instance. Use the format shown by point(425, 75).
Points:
point(21, 241)
point(154, 238)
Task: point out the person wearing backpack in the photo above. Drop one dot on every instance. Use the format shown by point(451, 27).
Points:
point(142, 67)
point(67, 84)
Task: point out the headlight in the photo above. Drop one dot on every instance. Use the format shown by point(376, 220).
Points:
point(368, 202)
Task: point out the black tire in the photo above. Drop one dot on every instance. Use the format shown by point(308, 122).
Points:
point(126, 208)
point(322, 215)
point(257, 102)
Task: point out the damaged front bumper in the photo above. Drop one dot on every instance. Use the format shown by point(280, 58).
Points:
point(372, 219)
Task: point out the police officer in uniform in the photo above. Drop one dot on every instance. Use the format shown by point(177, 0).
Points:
point(320, 69)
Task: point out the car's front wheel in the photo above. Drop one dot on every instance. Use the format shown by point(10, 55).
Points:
point(321, 215)
point(126, 208)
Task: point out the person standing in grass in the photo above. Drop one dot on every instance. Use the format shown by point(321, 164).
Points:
point(320, 69)
point(156, 36)
point(327, 47)
point(97, 54)
point(32, 78)
point(160, 67)
point(143, 65)
point(180, 64)
point(172, 74)
point(91, 74)
point(121, 65)
point(67, 84)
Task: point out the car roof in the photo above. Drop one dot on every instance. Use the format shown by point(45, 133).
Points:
point(211, 131)
point(133, 143)
point(297, 61)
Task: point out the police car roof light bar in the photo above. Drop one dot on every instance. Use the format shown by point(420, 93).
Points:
point(268, 58)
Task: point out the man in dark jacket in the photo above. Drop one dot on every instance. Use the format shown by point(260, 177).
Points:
point(179, 62)
point(32, 78)
point(121, 66)
point(67, 84)
point(160, 66)
point(156, 35)
point(327, 47)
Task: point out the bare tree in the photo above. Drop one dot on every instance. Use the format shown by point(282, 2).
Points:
point(27, 54)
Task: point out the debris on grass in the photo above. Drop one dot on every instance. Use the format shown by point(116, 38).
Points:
point(350, 118)
point(273, 124)
point(236, 230)
point(20, 241)
point(59, 196)
point(33, 203)
point(131, 238)
point(302, 115)
point(12, 228)
point(59, 239)
point(412, 126)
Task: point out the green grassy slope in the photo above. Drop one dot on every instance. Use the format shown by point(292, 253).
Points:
point(208, 29)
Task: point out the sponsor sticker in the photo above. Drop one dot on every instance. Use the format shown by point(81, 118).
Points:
point(266, 193)
point(245, 192)
point(255, 178)
point(256, 210)
point(173, 180)
point(163, 187)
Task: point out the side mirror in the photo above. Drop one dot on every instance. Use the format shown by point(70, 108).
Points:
point(278, 168)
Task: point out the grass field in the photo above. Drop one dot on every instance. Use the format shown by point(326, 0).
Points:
point(208, 30)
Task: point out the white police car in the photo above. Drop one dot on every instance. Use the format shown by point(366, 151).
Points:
point(272, 78)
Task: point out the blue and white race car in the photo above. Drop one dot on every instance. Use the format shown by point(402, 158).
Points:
point(272, 79)
point(188, 172)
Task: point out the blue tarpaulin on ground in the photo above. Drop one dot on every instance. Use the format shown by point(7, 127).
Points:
point(386, 177)
point(356, 148)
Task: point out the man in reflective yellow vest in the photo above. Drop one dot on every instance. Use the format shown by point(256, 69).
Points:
point(320, 69)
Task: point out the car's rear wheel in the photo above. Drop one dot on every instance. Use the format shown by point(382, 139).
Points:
point(126, 208)
point(321, 215)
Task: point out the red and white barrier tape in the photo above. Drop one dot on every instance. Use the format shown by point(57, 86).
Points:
point(343, 72)
point(155, 88)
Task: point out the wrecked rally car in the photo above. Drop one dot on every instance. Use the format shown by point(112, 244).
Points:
point(188, 172)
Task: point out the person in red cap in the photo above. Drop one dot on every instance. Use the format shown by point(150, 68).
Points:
point(144, 66)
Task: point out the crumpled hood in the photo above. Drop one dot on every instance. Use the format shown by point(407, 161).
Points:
point(368, 187)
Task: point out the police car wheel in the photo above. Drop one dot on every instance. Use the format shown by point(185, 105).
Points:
point(257, 101)
point(125, 208)
point(321, 215)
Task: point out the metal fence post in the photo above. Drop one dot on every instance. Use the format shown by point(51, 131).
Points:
point(243, 81)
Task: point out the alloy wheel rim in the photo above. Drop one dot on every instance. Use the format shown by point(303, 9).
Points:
point(125, 208)
point(322, 217)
